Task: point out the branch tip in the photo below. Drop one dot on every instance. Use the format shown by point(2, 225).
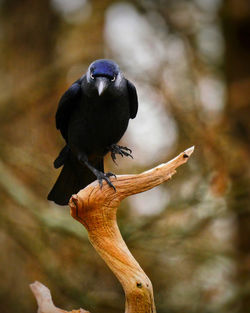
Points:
point(73, 201)
point(188, 152)
point(44, 300)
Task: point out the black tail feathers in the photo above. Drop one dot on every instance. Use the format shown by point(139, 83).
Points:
point(73, 177)
point(62, 157)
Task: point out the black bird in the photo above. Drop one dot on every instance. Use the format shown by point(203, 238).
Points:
point(92, 115)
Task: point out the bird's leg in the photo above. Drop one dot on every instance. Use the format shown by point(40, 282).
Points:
point(123, 151)
point(99, 175)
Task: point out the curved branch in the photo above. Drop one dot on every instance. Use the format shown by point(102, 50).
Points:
point(96, 209)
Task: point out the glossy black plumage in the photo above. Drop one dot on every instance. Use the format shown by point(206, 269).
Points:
point(92, 115)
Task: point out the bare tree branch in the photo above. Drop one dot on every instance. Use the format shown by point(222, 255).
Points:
point(44, 300)
point(96, 208)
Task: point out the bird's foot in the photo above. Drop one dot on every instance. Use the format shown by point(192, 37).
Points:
point(105, 176)
point(109, 174)
point(123, 151)
point(100, 176)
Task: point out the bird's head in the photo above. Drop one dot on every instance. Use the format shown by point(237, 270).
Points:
point(104, 75)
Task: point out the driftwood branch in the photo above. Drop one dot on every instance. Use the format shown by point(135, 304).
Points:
point(96, 209)
point(44, 300)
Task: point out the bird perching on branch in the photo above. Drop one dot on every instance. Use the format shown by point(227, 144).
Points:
point(92, 115)
point(96, 210)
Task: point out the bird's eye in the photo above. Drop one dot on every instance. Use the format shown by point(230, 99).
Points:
point(92, 76)
point(113, 79)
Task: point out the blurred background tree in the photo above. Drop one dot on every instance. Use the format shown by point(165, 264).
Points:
point(190, 61)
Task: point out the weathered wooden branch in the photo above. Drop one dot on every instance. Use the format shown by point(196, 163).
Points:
point(96, 209)
point(44, 300)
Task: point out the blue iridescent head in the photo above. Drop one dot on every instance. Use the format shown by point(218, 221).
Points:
point(104, 75)
point(104, 68)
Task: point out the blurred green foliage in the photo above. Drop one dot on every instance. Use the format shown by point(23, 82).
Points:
point(190, 63)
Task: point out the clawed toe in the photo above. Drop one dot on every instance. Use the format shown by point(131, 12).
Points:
point(123, 151)
point(109, 174)
point(125, 148)
point(101, 176)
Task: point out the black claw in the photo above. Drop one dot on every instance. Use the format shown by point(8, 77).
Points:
point(113, 157)
point(100, 182)
point(123, 151)
point(126, 148)
point(108, 181)
point(110, 184)
point(101, 176)
point(109, 174)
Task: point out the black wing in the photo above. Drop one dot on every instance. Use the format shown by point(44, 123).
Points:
point(133, 100)
point(66, 105)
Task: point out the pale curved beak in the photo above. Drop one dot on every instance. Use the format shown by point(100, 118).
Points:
point(101, 83)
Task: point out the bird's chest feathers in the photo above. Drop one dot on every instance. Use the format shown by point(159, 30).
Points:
point(102, 120)
point(107, 115)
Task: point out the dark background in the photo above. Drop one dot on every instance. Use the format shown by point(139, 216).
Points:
point(190, 63)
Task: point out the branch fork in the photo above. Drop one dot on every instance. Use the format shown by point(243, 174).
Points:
point(96, 208)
